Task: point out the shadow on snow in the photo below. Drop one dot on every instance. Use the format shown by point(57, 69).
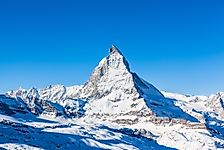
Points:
point(36, 137)
point(165, 107)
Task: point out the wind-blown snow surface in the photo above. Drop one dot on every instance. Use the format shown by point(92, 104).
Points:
point(114, 109)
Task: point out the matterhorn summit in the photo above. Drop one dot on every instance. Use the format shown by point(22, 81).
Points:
point(114, 90)
point(114, 75)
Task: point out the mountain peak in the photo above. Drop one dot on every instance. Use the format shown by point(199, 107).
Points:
point(111, 68)
point(113, 74)
point(116, 59)
point(114, 50)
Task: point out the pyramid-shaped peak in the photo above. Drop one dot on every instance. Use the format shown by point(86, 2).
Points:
point(116, 59)
point(114, 50)
point(113, 74)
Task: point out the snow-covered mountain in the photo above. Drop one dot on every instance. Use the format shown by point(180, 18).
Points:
point(114, 109)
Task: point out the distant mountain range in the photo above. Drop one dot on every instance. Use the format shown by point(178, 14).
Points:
point(114, 109)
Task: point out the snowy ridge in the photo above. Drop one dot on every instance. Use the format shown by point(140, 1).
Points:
point(114, 109)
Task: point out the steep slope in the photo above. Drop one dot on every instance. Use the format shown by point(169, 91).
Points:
point(114, 90)
point(113, 73)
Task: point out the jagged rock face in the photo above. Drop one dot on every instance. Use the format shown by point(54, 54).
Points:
point(53, 101)
point(112, 74)
point(53, 93)
point(29, 99)
point(74, 107)
point(11, 106)
point(113, 89)
point(59, 93)
point(33, 101)
point(216, 103)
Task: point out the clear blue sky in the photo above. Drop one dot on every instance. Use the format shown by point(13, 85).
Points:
point(177, 45)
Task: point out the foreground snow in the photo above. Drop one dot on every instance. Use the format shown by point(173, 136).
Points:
point(29, 132)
